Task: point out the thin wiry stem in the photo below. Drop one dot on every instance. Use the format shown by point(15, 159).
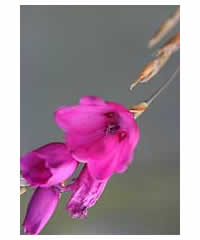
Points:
point(162, 88)
point(137, 110)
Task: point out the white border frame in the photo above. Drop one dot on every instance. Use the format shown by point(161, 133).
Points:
point(10, 105)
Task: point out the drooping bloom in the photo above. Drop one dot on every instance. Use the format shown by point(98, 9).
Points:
point(86, 190)
point(48, 165)
point(40, 209)
point(100, 133)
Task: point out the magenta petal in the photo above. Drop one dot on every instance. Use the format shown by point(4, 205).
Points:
point(82, 143)
point(84, 124)
point(39, 173)
point(127, 150)
point(126, 157)
point(62, 172)
point(85, 192)
point(92, 100)
point(104, 169)
point(106, 156)
point(102, 162)
point(100, 133)
point(29, 160)
point(40, 209)
point(100, 156)
point(34, 169)
point(116, 107)
point(81, 118)
point(48, 165)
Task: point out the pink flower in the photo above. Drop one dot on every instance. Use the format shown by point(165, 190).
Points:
point(48, 165)
point(40, 209)
point(86, 190)
point(100, 133)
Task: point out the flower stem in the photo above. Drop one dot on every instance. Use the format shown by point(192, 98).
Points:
point(138, 110)
point(162, 88)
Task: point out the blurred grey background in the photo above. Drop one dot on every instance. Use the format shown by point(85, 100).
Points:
point(71, 51)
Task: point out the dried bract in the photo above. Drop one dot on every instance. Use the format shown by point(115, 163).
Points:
point(165, 28)
point(22, 190)
point(171, 46)
point(137, 110)
point(152, 68)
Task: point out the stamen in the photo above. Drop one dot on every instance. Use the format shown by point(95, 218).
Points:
point(112, 128)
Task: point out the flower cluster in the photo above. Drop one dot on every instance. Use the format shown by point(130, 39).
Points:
point(100, 134)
